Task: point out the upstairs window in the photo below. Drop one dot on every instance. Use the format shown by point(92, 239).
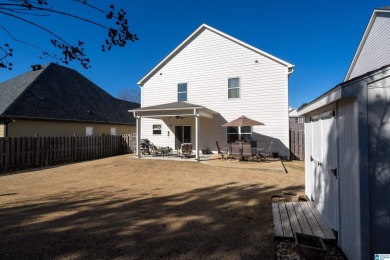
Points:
point(299, 120)
point(182, 92)
point(157, 129)
point(233, 88)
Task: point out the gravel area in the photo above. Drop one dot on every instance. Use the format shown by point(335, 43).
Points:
point(121, 207)
point(287, 250)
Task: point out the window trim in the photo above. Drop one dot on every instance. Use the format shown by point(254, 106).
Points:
point(153, 129)
point(86, 130)
point(239, 88)
point(186, 92)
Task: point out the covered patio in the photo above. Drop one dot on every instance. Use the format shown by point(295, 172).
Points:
point(169, 113)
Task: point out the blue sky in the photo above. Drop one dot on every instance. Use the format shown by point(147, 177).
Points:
point(318, 37)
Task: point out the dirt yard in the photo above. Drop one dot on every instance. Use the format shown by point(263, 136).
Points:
point(121, 207)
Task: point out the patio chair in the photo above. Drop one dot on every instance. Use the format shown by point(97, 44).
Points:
point(235, 150)
point(247, 150)
point(186, 149)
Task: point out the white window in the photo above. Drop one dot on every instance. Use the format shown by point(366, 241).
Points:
point(182, 92)
point(157, 129)
point(113, 130)
point(233, 88)
point(89, 131)
point(299, 120)
point(243, 133)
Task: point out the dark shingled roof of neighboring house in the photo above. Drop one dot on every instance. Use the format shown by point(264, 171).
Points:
point(59, 93)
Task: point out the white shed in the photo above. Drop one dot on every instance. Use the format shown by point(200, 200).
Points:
point(347, 162)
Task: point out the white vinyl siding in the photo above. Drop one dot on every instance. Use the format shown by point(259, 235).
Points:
point(375, 52)
point(208, 61)
point(348, 177)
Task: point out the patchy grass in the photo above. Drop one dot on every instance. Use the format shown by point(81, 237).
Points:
point(121, 207)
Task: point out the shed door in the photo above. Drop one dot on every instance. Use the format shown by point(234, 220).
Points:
point(324, 166)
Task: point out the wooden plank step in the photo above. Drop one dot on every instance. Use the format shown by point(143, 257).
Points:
point(277, 220)
point(325, 228)
point(287, 232)
point(293, 218)
point(314, 226)
point(302, 219)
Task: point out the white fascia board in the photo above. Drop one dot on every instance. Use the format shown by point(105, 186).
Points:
point(163, 109)
point(363, 41)
point(324, 100)
point(194, 34)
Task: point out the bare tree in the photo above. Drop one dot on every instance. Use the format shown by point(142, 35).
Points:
point(113, 21)
point(130, 94)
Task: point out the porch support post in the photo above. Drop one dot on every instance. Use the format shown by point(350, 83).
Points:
point(196, 135)
point(138, 131)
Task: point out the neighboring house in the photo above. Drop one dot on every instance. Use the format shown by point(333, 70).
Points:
point(296, 122)
point(212, 78)
point(297, 135)
point(347, 168)
point(58, 101)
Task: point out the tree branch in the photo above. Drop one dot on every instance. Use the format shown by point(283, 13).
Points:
point(36, 25)
point(29, 44)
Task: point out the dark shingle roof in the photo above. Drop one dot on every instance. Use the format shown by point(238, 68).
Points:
point(59, 93)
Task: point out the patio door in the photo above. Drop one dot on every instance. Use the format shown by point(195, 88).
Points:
point(182, 134)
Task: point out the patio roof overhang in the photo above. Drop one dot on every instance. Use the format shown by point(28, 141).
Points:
point(175, 109)
point(172, 110)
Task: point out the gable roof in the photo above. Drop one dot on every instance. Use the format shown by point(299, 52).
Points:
point(195, 34)
point(385, 9)
point(59, 93)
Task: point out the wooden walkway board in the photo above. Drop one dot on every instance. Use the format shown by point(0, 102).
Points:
point(299, 217)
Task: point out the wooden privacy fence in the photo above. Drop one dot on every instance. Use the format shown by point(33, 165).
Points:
point(297, 144)
point(18, 153)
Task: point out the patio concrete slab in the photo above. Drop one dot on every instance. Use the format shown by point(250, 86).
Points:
point(269, 165)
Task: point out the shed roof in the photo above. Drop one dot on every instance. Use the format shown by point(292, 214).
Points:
point(59, 93)
point(195, 34)
point(335, 93)
point(385, 9)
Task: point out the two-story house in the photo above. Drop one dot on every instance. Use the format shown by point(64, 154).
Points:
point(209, 79)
